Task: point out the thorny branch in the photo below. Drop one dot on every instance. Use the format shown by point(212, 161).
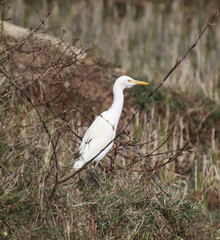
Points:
point(24, 40)
point(23, 91)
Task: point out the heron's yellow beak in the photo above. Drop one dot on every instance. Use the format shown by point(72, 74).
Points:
point(140, 82)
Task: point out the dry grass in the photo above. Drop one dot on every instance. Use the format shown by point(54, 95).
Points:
point(40, 134)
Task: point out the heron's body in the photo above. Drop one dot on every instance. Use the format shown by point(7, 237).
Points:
point(103, 130)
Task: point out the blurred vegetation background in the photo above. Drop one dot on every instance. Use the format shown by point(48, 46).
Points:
point(143, 39)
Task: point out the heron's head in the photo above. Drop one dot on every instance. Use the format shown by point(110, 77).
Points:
point(128, 82)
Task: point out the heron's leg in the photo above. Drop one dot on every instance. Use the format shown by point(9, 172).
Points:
point(94, 177)
point(95, 180)
point(95, 166)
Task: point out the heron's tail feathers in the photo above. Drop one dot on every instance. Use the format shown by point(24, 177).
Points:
point(78, 163)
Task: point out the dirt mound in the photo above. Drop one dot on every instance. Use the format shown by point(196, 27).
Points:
point(54, 75)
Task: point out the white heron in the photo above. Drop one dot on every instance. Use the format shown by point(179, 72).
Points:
point(103, 130)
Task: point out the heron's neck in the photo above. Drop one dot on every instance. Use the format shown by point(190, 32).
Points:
point(117, 104)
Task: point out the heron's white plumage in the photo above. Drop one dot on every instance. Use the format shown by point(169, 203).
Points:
point(103, 130)
point(97, 137)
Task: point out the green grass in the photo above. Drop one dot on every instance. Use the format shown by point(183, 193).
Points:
point(125, 208)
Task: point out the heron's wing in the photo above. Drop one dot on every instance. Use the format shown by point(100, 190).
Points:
point(97, 137)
